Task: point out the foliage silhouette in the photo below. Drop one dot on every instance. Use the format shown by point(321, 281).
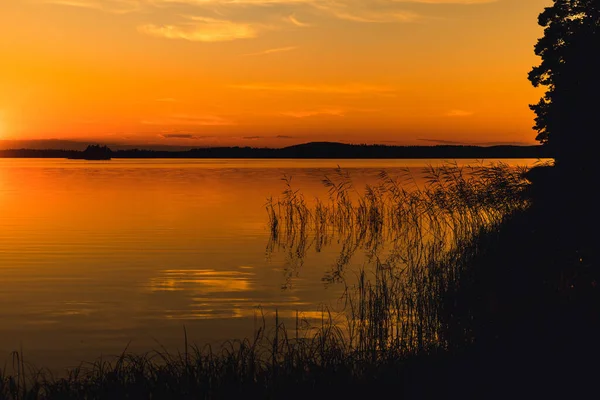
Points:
point(94, 152)
point(570, 51)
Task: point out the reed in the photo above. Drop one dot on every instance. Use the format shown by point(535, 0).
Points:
point(421, 244)
point(413, 300)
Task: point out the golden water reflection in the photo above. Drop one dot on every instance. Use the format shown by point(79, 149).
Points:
point(202, 281)
point(94, 255)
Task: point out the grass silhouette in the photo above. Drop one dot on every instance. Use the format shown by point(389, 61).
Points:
point(468, 299)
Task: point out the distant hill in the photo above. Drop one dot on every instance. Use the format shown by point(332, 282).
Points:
point(306, 150)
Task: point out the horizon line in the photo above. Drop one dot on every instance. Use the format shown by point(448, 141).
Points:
point(181, 147)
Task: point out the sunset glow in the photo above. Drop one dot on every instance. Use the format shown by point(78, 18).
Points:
point(268, 72)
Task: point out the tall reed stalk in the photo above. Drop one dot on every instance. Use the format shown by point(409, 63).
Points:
point(402, 300)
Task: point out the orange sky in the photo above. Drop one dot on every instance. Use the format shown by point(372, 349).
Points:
point(268, 72)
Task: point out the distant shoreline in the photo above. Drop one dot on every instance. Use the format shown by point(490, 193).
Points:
point(313, 150)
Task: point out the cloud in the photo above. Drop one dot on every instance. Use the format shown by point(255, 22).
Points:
point(365, 12)
point(470, 143)
point(177, 136)
point(278, 137)
point(190, 120)
point(244, 19)
point(271, 51)
point(202, 29)
point(292, 18)
point(313, 113)
point(441, 141)
point(377, 17)
point(458, 113)
point(333, 89)
point(185, 136)
point(112, 6)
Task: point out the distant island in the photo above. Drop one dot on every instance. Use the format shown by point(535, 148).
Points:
point(93, 152)
point(318, 150)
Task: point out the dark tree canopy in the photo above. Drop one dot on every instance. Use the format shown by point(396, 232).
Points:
point(568, 115)
point(97, 152)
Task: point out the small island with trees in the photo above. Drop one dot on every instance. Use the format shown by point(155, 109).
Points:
point(93, 152)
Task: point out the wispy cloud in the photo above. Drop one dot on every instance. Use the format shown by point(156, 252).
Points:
point(442, 141)
point(471, 143)
point(459, 113)
point(189, 120)
point(112, 6)
point(364, 12)
point(313, 113)
point(334, 89)
point(244, 19)
point(202, 29)
point(377, 17)
point(258, 137)
point(185, 136)
point(292, 18)
point(271, 51)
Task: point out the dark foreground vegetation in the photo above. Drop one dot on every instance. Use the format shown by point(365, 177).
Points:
point(474, 289)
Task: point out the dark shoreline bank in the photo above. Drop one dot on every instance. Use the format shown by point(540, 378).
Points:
point(316, 150)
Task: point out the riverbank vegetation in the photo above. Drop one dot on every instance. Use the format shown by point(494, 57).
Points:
point(429, 306)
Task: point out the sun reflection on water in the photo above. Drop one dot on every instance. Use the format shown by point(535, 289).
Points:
point(202, 280)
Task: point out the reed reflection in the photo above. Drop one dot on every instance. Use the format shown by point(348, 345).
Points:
point(417, 237)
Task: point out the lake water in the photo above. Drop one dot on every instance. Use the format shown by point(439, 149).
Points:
point(97, 256)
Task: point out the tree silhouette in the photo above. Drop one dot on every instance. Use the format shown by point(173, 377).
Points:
point(568, 115)
point(95, 151)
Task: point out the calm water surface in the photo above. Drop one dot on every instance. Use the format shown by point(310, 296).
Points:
point(96, 255)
